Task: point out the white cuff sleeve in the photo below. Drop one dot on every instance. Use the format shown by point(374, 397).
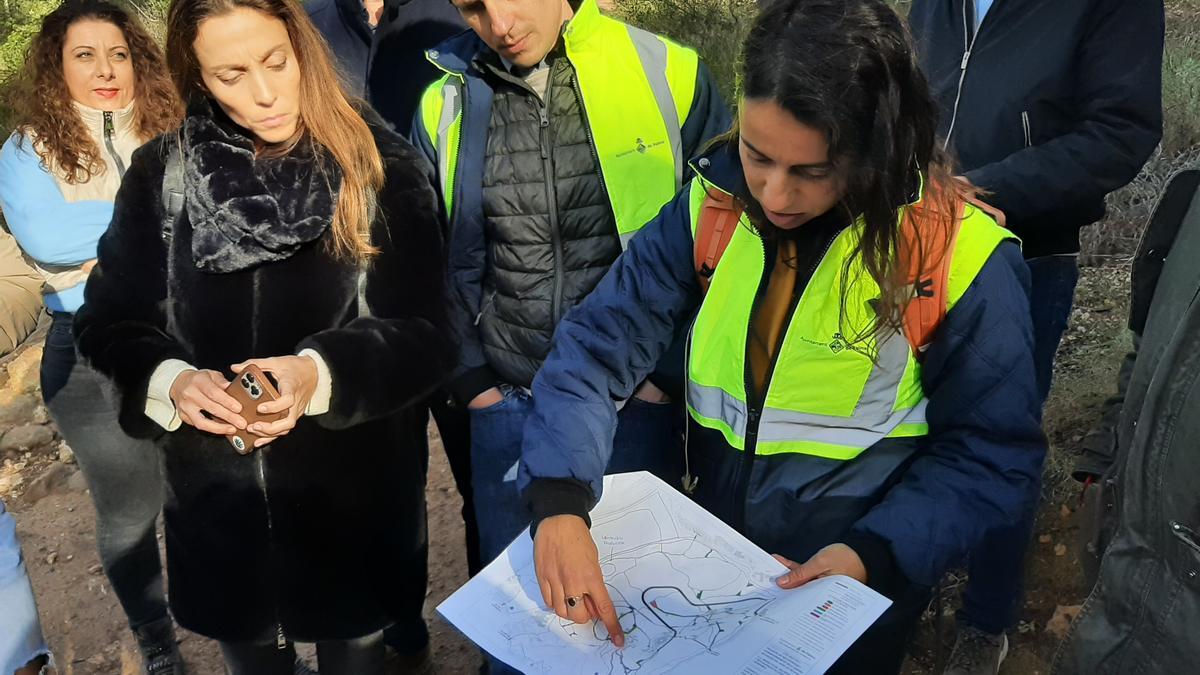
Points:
point(319, 403)
point(159, 406)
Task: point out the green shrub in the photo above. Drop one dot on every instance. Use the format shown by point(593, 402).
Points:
point(1114, 239)
point(715, 28)
point(21, 20)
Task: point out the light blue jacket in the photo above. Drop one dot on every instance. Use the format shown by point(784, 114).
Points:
point(55, 233)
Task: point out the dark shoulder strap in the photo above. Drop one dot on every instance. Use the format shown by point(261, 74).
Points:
point(172, 191)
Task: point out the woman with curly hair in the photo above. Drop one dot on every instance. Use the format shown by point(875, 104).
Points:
point(93, 89)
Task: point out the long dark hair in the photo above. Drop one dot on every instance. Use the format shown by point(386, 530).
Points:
point(43, 104)
point(847, 68)
point(327, 117)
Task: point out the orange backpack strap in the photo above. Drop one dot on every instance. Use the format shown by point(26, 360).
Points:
point(996, 214)
point(929, 271)
point(927, 308)
point(719, 216)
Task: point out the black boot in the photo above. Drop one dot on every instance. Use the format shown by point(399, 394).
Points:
point(160, 652)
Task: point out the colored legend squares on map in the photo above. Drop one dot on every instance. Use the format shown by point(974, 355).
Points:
point(821, 609)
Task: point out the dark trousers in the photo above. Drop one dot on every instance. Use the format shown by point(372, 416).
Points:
point(996, 570)
point(123, 473)
point(648, 438)
point(361, 656)
point(410, 635)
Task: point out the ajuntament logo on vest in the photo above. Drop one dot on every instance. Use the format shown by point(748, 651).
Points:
point(837, 344)
point(641, 147)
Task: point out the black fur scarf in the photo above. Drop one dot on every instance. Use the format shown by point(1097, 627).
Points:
point(248, 209)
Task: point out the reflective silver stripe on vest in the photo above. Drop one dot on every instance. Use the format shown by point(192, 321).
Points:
point(452, 106)
point(873, 418)
point(653, 54)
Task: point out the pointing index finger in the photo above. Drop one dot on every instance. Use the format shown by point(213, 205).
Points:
point(601, 608)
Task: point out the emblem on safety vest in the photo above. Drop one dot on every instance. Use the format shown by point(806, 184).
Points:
point(838, 343)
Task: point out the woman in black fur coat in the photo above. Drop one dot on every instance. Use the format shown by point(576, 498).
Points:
point(291, 201)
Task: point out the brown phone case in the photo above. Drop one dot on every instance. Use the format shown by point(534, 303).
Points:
point(252, 388)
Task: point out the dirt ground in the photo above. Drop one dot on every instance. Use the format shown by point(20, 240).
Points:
point(86, 629)
point(84, 623)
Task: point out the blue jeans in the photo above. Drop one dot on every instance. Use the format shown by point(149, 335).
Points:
point(21, 638)
point(123, 474)
point(996, 572)
point(649, 438)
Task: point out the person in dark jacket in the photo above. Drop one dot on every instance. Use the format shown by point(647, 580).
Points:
point(1048, 107)
point(557, 132)
point(821, 426)
point(1143, 612)
point(348, 27)
point(380, 48)
point(309, 244)
point(382, 44)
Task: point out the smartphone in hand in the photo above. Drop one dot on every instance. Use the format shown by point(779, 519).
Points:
point(252, 388)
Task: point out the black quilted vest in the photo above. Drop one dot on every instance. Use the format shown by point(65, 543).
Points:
point(551, 234)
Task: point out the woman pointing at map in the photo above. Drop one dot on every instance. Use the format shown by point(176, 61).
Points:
point(861, 390)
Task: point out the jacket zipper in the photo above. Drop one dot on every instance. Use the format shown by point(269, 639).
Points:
point(551, 199)
point(486, 306)
point(758, 400)
point(969, 39)
point(280, 640)
point(1025, 127)
point(1185, 534)
point(109, 130)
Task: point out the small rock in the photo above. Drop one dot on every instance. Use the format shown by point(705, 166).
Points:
point(96, 569)
point(41, 415)
point(23, 370)
point(97, 661)
point(1045, 539)
point(65, 454)
point(1060, 550)
point(1060, 623)
point(20, 410)
point(27, 437)
point(1026, 627)
point(1065, 511)
point(52, 558)
point(70, 557)
point(53, 478)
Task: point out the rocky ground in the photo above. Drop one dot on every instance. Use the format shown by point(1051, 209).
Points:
point(43, 488)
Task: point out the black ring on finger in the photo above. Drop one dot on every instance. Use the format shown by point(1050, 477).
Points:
point(573, 601)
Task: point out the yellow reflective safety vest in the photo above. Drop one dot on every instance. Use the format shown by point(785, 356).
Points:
point(638, 142)
point(829, 394)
